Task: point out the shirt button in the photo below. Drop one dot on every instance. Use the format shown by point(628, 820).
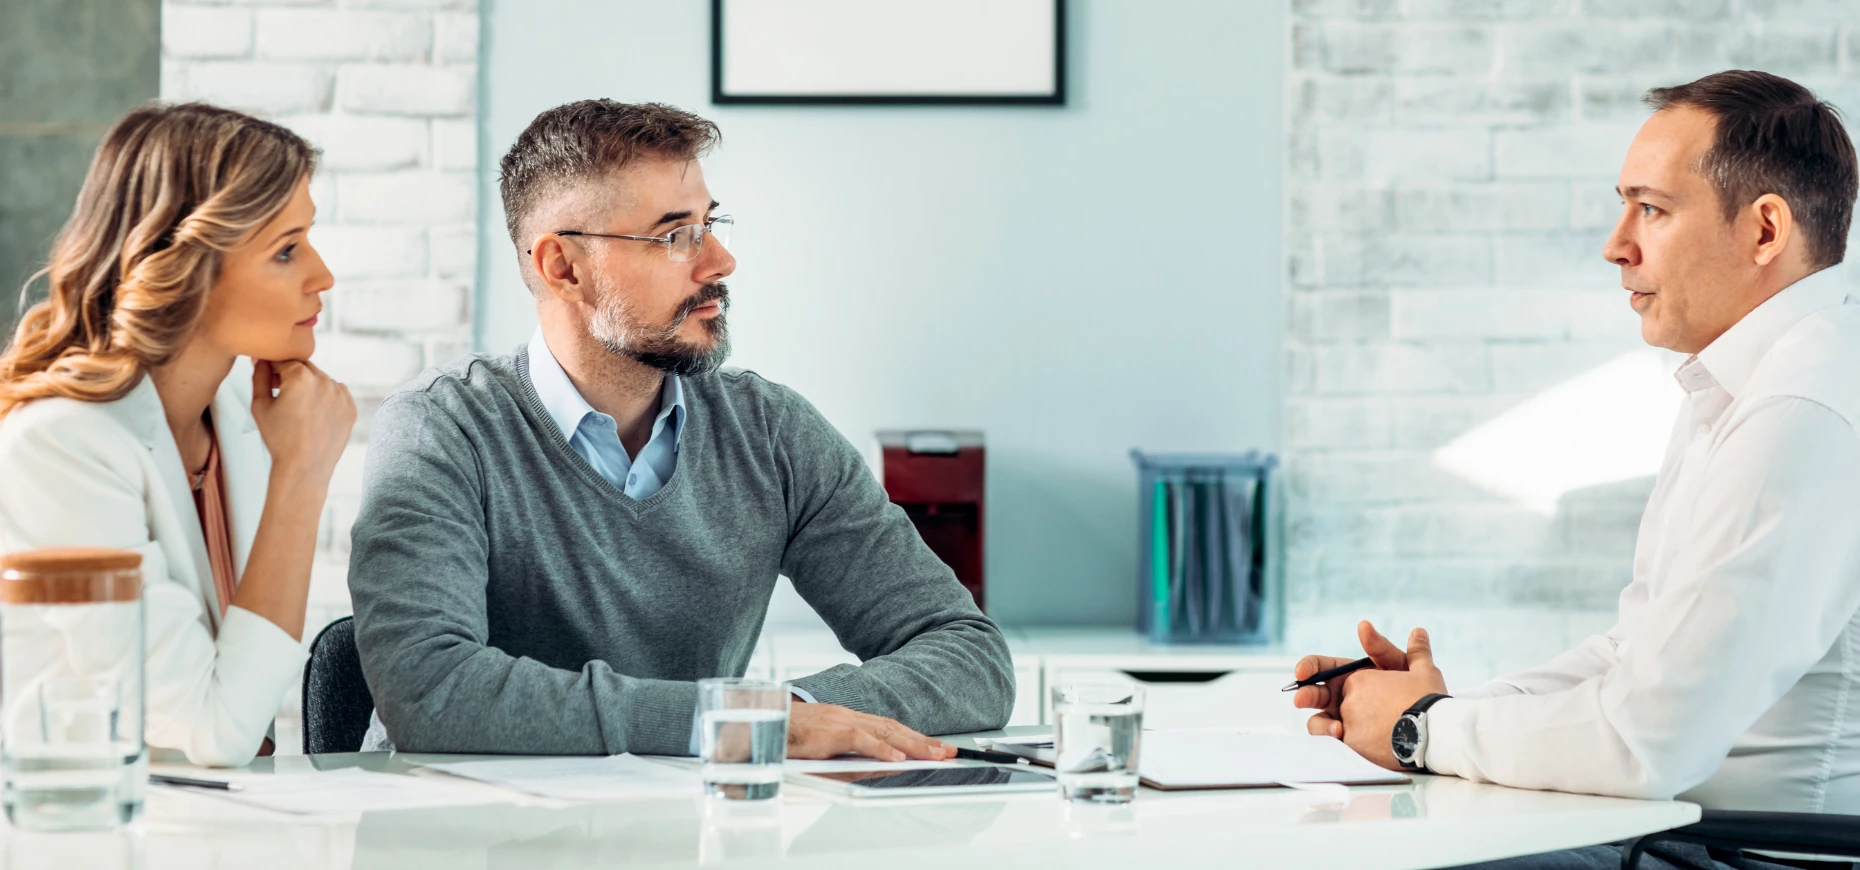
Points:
point(632, 479)
point(1704, 428)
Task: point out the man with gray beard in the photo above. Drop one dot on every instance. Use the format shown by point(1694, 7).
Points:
point(555, 544)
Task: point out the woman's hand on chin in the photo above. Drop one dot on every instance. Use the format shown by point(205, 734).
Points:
point(304, 416)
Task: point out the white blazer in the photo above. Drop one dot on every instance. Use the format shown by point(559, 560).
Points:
point(108, 474)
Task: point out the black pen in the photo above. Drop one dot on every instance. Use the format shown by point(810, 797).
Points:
point(1333, 673)
point(985, 755)
point(221, 785)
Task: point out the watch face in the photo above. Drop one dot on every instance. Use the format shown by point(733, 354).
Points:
point(1404, 738)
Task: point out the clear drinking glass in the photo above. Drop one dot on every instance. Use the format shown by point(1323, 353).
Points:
point(742, 737)
point(1097, 732)
point(71, 646)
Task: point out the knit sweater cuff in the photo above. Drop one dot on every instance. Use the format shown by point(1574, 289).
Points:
point(840, 685)
point(658, 719)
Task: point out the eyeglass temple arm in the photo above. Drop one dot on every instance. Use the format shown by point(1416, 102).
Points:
point(667, 238)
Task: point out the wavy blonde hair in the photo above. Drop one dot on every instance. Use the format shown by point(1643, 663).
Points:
point(171, 190)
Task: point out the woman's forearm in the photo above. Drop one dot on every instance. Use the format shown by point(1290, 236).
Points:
point(276, 583)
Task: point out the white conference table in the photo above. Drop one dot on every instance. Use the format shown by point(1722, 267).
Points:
point(1434, 822)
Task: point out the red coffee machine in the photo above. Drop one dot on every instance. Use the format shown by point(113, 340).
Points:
point(936, 476)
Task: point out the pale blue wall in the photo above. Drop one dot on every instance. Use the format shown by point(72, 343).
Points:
point(1074, 281)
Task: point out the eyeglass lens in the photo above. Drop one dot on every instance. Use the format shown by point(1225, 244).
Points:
point(688, 241)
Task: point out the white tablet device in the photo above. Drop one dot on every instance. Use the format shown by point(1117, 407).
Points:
point(981, 779)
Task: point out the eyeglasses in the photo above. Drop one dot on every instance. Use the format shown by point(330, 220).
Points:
point(682, 244)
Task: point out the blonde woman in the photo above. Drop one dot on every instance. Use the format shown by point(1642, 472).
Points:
point(124, 421)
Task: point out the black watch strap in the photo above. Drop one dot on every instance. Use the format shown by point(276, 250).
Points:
point(1415, 710)
point(1422, 705)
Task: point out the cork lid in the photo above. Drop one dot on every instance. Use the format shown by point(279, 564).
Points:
point(70, 560)
point(70, 575)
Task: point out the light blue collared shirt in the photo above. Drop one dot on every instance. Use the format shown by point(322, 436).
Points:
point(595, 435)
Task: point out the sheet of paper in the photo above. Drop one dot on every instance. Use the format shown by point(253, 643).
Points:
point(615, 777)
point(346, 791)
point(1192, 758)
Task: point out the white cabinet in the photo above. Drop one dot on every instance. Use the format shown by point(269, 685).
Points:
point(1185, 686)
point(1196, 698)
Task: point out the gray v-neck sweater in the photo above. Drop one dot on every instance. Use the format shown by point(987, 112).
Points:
point(508, 599)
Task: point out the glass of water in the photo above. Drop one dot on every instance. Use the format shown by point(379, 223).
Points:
point(71, 629)
point(742, 737)
point(1098, 728)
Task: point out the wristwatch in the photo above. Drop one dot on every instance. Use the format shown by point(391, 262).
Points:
point(1409, 738)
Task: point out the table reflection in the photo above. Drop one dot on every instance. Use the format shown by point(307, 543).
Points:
point(47, 850)
point(510, 836)
point(738, 830)
point(876, 824)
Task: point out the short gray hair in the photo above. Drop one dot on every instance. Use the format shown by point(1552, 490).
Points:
point(592, 138)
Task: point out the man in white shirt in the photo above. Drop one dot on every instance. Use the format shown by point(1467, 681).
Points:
point(1732, 675)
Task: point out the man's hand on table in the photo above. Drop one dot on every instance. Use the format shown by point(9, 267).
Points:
point(829, 730)
point(1328, 698)
point(1376, 698)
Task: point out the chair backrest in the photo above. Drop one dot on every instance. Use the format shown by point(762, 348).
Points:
point(337, 703)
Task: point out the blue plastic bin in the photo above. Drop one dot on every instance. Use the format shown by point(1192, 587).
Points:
point(1209, 567)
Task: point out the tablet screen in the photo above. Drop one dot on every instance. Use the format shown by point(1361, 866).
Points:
point(940, 777)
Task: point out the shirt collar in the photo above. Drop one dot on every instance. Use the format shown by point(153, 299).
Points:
point(671, 409)
point(1734, 356)
point(566, 406)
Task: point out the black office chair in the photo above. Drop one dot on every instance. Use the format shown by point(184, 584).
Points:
point(337, 702)
point(1801, 833)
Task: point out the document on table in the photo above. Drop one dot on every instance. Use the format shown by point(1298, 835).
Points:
point(614, 777)
point(1171, 760)
point(348, 790)
point(1196, 759)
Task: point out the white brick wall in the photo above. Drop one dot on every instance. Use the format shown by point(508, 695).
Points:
point(387, 90)
point(1450, 174)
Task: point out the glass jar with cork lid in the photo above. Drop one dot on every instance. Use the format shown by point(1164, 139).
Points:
point(71, 688)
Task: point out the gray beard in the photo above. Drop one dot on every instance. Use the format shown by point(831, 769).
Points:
point(615, 327)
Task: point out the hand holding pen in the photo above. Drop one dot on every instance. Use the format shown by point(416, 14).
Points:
point(1320, 680)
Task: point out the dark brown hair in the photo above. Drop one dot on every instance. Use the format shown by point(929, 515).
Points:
point(1774, 136)
point(171, 190)
point(592, 138)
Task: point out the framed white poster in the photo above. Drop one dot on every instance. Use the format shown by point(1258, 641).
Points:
point(888, 51)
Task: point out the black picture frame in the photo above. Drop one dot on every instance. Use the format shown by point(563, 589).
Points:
point(1056, 98)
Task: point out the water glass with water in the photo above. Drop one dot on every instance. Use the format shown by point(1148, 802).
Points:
point(71, 648)
point(1097, 735)
point(742, 737)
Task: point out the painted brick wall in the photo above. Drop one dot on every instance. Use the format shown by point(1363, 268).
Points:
point(1449, 187)
point(387, 89)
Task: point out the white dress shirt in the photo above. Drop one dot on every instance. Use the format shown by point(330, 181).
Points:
point(1732, 675)
point(108, 474)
